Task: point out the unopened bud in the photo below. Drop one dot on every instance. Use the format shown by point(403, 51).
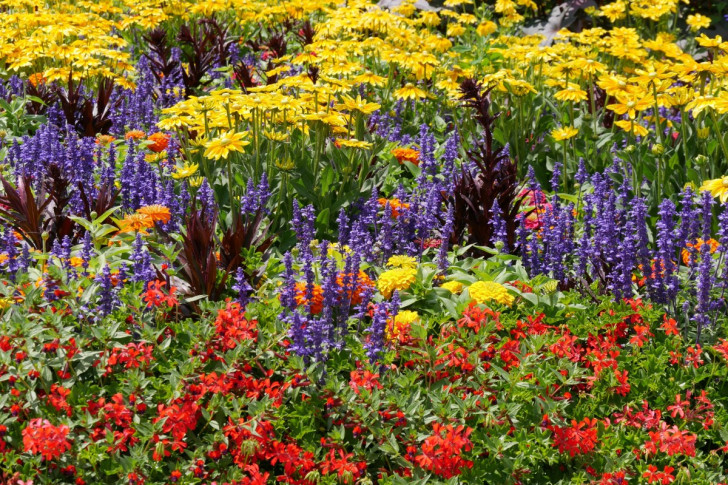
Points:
point(658, 149)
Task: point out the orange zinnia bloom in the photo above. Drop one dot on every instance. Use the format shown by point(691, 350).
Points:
point(395, 204)
point(135, 135)
point(136, 222)
point(158, 213)
point(697, 245)
point(36, 79)
point(360, 285)
point(160, 142)
point(317, 305)
point(407, 155)
point(104, 139)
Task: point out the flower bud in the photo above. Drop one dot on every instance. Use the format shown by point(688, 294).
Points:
point(658, 149)
point(703, 132)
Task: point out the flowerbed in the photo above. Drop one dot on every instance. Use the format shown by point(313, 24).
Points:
point(319, 243)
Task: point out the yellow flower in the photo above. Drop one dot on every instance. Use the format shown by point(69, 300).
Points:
point(697, 22)
point(396, 279)
point(484, 291)
point(410, 91)
point(402, 261)
point(631, 126)
point(564, 133)
point(187, 170)
point(717, 188)
point(486, 28)
point(351, 143)
point(453, 286)
point(230, 141)
point(358, 104)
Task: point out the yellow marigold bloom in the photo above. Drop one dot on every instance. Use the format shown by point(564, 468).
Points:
point(717, 188)
point(564, 133)
point(156, 212)
point(410, 91)
point(485, 291)
point(395, 279)
point(136, 223)
point(220, 147)
point(402, 261)
point(400, 325)
point(187, 170)
point(486, 28)
point(453, 286)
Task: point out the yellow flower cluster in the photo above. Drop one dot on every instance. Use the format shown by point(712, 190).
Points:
point(486, 291)
point(401, 323)
point(397, 279)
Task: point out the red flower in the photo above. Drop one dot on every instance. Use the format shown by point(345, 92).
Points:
point(664, 477)
point(41, 437)
point(154, 296)
point(365, 380)
point(578, 439)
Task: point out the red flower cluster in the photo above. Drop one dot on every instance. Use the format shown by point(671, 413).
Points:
point(578, 439)
point(231, 327)
point(671, 440)
point(41, 437)
point(441, 452)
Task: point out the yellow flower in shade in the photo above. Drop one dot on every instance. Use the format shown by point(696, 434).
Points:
point(230, 141)
point(410, 91)
point(717, 188)
point(485, 291)
point(402, 261)
point(697, 22)
point(136, 223)
point(453, 286)
point(401, 324)
point(157, 212)
point(187, 170)
point(395, 279)
point(564, 133)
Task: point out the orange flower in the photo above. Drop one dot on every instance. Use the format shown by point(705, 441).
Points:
point(160, 142)
point(696, 246)
point(361, 284)
point(317, 305)
point(136, 222)
point(135, 135)
point(158, 213)
point(104, 139)
point(395, 205)
point(36, 79)
point(407, 155)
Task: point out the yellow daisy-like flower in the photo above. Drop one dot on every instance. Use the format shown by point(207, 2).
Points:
point(410, 91)
point(717, 188)
point(396, 279)
point(187, 170)
point(453, 286)
point(486, 28)
point(351, 143)
point(564, 133)
point(230, 141)
point(402, 261)
point(631, 126)
point(697, 22)
point(485, 291)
